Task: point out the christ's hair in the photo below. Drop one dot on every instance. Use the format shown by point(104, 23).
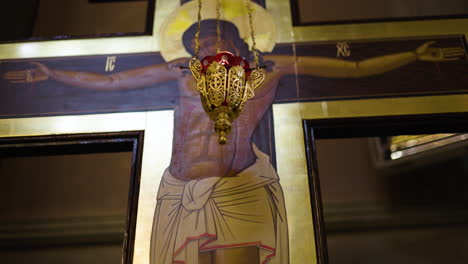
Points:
point(228, 32)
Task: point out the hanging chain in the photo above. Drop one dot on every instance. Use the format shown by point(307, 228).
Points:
point(252, 32)
point(218, 31)
point(197, 35)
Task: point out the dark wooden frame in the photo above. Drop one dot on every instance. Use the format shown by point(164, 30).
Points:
point(294, 5)
point(388, 125)
point(148, 28)
point(110, 1)
point(365, 127)
point(321, 248)
point(87, 143)
point(260, 2)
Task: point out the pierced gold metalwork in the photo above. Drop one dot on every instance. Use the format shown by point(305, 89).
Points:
point(224, 81)
point(224, 92)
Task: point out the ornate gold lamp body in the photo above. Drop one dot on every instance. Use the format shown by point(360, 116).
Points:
point(225, 83)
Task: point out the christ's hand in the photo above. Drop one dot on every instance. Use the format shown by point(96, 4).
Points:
point(40, 73)
point(427, 53)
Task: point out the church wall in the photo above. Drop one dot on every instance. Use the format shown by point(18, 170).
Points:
point(317, 11)
point(64, 208)
point(82, 18)
point(414, 209)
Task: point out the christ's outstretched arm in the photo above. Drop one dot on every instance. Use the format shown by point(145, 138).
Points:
point(130, 79)
point(336, 68)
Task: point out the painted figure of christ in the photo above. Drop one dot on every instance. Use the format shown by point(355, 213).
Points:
point(223, 203)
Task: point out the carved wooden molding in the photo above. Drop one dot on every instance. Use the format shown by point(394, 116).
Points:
point(357, 217)
point(66, 231)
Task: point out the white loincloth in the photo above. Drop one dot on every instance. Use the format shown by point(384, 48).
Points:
point(216, 213)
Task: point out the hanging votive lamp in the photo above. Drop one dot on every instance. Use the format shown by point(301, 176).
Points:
point(225, 82)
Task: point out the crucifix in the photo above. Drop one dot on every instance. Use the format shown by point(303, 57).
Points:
point(205, 210)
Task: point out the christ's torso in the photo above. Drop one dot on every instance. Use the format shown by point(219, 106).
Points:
point(196, 152)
